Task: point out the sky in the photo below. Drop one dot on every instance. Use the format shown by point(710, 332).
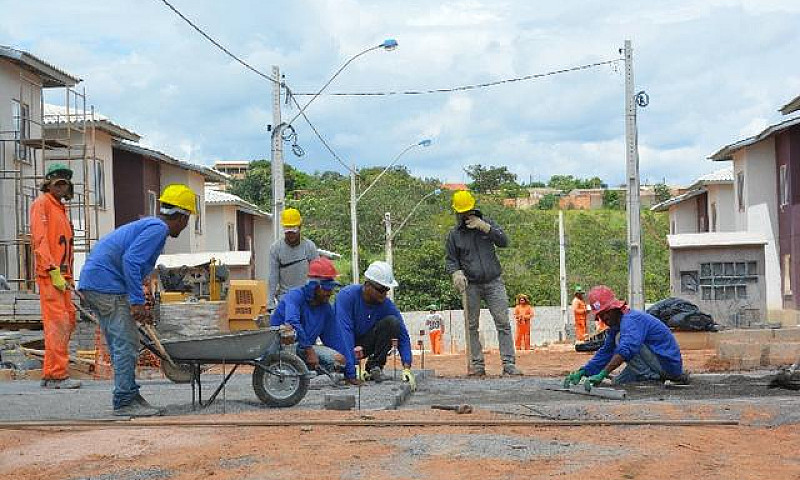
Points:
point(716, 71)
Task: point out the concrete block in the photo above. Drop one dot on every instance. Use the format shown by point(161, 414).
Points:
point(783, 353)
point(786, 335)
point(758, 336)
point(6, 374)
point(742, 355)
point(339, 402)
point(696, 340)
point(400, 395)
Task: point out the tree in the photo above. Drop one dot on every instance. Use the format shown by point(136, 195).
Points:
point(565, 183)
point(548, 202)
point(662, 192)
point(256, 186)
point(490, 179)
point(611, 200)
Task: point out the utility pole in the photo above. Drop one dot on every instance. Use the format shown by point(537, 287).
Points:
point(633, 203)
point(354, 225)
point(562, 267)
point(387, 220)
point(278, 183)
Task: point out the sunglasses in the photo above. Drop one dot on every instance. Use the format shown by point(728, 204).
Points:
point(380, 288)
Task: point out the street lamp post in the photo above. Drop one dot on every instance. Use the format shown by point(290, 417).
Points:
point(387, 218)
point(355, 197)
point(278, 181)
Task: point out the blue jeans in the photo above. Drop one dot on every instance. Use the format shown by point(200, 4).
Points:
point(324, 354)
point(122, 339)
point(643, 367)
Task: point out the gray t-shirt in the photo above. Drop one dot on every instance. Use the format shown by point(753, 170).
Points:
point(288, 267)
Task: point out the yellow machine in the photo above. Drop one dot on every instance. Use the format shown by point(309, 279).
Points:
point(246, 300)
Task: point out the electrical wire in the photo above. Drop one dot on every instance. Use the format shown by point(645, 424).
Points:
point(469, 87)
point(218, 45)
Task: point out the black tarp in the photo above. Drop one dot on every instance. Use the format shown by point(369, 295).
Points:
point(682, 315)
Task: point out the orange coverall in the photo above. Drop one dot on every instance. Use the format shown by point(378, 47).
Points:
point(579, 310)
point(52, 236)
point(523, 313)
point(435, 325)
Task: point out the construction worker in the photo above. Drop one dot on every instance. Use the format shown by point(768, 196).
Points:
point(51, 232)
point(289, 259)
point(636, 338)
point(111, 282)
point(472, 262)
point(579, 313)
point(435, 325)
point(370, 320)
point(523, 314)
point(308, 311)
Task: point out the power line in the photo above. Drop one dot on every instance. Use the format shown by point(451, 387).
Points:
point(469, 87)
point(218, 45)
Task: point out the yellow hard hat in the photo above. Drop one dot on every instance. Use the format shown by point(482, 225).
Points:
point(463, 201)
point(291, 218)
point(181, 196)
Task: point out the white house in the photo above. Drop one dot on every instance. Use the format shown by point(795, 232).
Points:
point(704, 207)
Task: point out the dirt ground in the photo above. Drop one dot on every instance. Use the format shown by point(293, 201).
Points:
point(437, 452)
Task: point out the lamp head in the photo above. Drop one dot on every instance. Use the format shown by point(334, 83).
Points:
point(425, 143)
point(389, 44)
point(438, 191)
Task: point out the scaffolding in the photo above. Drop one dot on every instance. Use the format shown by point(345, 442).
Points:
point(41, 134)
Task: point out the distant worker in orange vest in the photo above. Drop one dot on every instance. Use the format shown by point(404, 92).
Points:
point(523, 313)
point(52, 237)
point(579, 311)
point(435, 325)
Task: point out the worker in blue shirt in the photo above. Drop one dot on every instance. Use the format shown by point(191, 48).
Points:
point(636, 338)
point(111, 283)
point(370, 320)
point(308, 311)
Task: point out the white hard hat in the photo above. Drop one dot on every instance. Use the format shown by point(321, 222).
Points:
point(381, 273)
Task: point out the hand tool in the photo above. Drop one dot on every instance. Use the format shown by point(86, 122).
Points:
point(394, 358)
point(359, 354)
point(459, 409)
point(468, 349)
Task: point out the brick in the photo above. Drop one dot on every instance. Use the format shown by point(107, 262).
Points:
point(783, 353)
point(339, 402)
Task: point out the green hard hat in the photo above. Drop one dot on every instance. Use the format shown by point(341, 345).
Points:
point(432, 307)
point(58, 170)
point(578, 289)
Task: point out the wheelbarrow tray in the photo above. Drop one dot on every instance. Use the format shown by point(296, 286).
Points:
point(241, 346)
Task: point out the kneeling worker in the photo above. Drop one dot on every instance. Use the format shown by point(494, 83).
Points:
point(370, 320)
point(308, 311)
point(636, 338)
point(111, 282)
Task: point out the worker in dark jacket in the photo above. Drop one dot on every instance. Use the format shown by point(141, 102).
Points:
point(308, 311)
point(635, 338)
point(472, 262)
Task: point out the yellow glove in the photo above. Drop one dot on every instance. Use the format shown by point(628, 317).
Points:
point(479, 223)
point(58, 280)
point(362, 374)
point(409, 377)
point(460, 281)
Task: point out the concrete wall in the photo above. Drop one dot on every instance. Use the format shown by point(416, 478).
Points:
point(757, 162)
point(725, 200)
point(683, 217)
point(262, 242)
point(218, 217)
point(190, 240)
point(734, 312)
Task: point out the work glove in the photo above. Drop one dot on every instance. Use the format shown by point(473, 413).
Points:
point(594, 380)
point(58, 280)
point(479, 223)
point(409, 377)
point(460, 281)
point(362, 374)
point(574, 378)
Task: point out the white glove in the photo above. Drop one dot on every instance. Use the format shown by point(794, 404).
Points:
point(460, 281)
point(479, 223)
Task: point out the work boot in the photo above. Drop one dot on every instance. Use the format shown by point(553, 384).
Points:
point(62, 384)
point(376, 374)
point(477, 372)
point(44, 382)
point(511, 369)
point(139, 400)
point(136, 409)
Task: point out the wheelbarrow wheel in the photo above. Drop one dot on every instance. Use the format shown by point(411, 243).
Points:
point(178, 373)
point(280, 380)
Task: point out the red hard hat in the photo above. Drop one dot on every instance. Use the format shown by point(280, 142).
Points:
point(322, 268)
point(602, 298)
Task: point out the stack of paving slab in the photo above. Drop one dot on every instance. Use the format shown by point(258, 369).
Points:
point(19, 307)
point(749, 349)
point(192, 319)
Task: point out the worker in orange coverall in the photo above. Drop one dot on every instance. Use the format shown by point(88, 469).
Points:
point(52, 236)
point(435, 325)
point(523, 313)
point(579, 312)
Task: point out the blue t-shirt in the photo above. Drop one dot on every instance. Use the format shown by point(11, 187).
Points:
point(638, 328)
point(356, 317)
point(121, 260)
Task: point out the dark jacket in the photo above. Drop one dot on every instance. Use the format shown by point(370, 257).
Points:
point(473, 252)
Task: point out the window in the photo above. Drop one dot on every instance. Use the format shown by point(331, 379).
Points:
point(787, 274)
point(99, 184)
point(713, 216)
point(783, 185)
point(198, 219)
point(152, 203)
point(689, 282)
point(725, 280)
point(740, 191)
point(231, 237)
point(21, 121)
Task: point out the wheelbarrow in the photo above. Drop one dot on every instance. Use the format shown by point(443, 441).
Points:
point(280, 377)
